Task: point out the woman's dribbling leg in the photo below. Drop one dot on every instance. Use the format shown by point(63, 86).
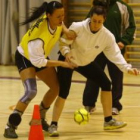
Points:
point(96, 74)
point(49, 77)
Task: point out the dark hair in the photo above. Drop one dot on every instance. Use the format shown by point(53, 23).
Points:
point(45, 7)
point(104, 3)
point(99, 10)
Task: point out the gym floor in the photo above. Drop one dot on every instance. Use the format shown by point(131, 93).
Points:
point(11, 90)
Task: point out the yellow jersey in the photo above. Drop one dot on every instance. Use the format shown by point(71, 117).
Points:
point(40, 30)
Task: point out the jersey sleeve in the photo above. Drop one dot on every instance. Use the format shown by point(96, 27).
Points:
point(75, 27)
point(64, 43)
point(36, 53)
point(113, 53)
point(129, 26)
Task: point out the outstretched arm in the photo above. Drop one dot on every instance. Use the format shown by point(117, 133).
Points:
point(55, 63)
point(134, 71)
point(69, 34)
point(38, 59)
point(64, 45)
point(112, 52)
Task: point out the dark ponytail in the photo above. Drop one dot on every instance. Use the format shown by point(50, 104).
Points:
point(100, 7)
point(103, 3)
point(99, 10)
point(38, 11)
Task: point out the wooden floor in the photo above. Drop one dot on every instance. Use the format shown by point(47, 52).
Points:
point(11, 90)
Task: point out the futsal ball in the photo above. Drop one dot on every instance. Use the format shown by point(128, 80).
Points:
point(81, 116)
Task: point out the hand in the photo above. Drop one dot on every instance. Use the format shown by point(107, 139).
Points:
point(121, 45)
point(70, 59)
point(70, 35)
point(134, 71)
point(67, 65)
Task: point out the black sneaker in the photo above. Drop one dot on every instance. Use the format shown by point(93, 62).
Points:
point(10, 133)
point(45, 125)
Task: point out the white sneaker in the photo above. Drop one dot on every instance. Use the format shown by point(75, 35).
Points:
point(90, 109)
point(115, 111)
point(53, 131)
point(114, 124)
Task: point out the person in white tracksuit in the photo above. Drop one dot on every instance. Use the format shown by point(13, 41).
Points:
point(92, 39)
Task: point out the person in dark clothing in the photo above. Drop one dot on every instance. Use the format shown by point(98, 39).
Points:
point(120, 21)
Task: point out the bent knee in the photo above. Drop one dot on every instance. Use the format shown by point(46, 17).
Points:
point(29, 95)
point(106, 86)
point(32, 93)
point(64, 93)
point(55, 89)
point(30, 90)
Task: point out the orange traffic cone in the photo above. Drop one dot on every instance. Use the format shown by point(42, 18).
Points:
point(36, 127)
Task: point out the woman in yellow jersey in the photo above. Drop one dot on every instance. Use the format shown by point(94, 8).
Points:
point(32, 60)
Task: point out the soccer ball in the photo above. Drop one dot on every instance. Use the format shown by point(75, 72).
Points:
point(81, 116)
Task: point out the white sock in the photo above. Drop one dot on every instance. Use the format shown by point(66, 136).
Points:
point(6, 127)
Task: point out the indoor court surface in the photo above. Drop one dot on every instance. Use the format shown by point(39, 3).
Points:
point(11, 90)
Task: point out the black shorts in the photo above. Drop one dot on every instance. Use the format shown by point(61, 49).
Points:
point(23, 63)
